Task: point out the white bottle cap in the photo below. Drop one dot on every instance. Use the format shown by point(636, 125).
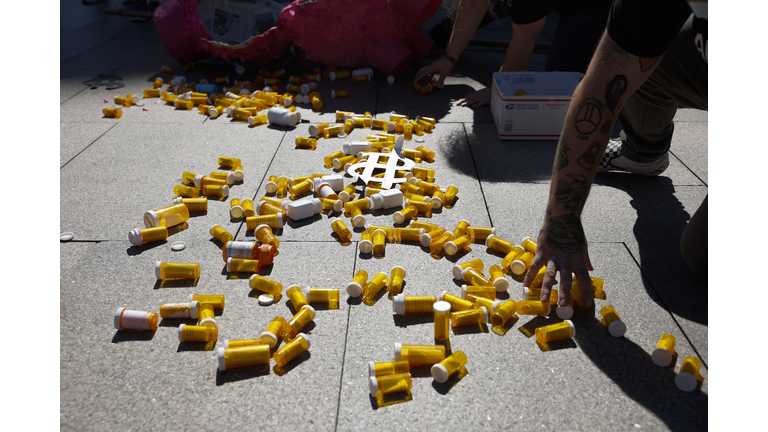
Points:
point(439, 373)
point(398, 217)
point(305, 338)
point(236, 212)
point(229, 262)
point(437, 202)
point(451, 248)
point(501, 283)
point(661, 357)
point(226, 343)
point(271, 186)
point(358, 221)
point(391, 79)
point(487, 239)
point(181, 329)
point(398, 350)
point(117, 318)
point(151, 219)
point(366, 247)
point(198, 179)
point(157, 269)
point(496, 304)
point(313, 130)
point(371, 369)
point(194, 309)
point(333, 78)
point(456, 271)
point(440, 297)
point(517, 267)
point(564, 312)
point(134, 236)
point(412, 180)
point(425, 239)
point(372, 383)
point(617, 328)
point(354, 289)
point(391, 127)
point(208, 322)
point(686, 382)
point(318, 205)
point(485, 313)
point(269, 338)
point(222, 361)
point(441, 306)
point(225, 191)
point(573, 327)
point(239, 175)
point(398, 304)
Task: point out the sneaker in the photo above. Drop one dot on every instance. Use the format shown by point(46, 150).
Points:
point(617, 158)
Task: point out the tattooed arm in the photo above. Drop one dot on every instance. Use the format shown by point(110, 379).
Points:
point(613, 75)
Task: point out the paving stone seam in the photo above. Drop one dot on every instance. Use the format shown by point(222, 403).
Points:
point(88, 146)
point(477, 173)
point(666, 308)
point(344, 350)
point(688, 168)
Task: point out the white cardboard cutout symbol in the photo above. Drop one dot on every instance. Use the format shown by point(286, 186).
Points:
point(389, 169)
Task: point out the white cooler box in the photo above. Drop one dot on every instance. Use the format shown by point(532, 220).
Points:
point(539, 115)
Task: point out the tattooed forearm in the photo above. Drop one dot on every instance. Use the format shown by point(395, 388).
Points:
point(589, 116)
point(587, 160)
point(561, 160)
point(572, 194)
point(614, 90)
point(565, 234)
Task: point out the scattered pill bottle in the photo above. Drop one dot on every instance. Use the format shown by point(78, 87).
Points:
point(498, 244)
point(388, 384)
point(341, 230)
point(296, 296)
point(515, 253)
point(221, 234)
point(443, 370)
point(459, 244)
point(457, 303)
point(499, 280)
point(321, 295)
point(248, 209)
point(355, 288)
point(488, 292)
point(180, 310)
point(194, 333)
point(265, 285)
point(243, 356)
point(243, 343)
point(303, 209)
point(616, 326)
point(419, 354)
point(467, 317)
point(275, 330)
point(299, 320)
point(688, 378)
point(263, 234)
point(166, 216)
point(403, 304)
point(662, 355)
point(529, 245)
point(533, 307)
point(138, 236)
point(437, 244)
point(175, 270)
point(442, 315)
point(243, 265)
point(396, 280)
point(504, 313)
point(377, 369)
point(215, 300)
point(375, 285)
point(291, 350)
point(135, 320)
point(235, 209)
point(474, 277)
point(521, 264)
point(480, 233)
point(557, 331)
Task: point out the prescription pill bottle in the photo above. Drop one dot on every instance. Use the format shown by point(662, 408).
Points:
point(135, 320)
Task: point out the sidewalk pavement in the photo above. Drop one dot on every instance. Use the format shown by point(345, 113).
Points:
point(112, 171)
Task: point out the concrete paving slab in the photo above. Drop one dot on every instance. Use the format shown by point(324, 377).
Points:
point(690, 146)
point(652, 220)
point(74, 43)
point(106, 189)
point(691, 115)
point(137, 380)
point(531, 161)
point(76, 137)
point(618, 371)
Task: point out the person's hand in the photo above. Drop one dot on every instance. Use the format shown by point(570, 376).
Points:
point(476, 99)
point(441, 66)
point(562, 247)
